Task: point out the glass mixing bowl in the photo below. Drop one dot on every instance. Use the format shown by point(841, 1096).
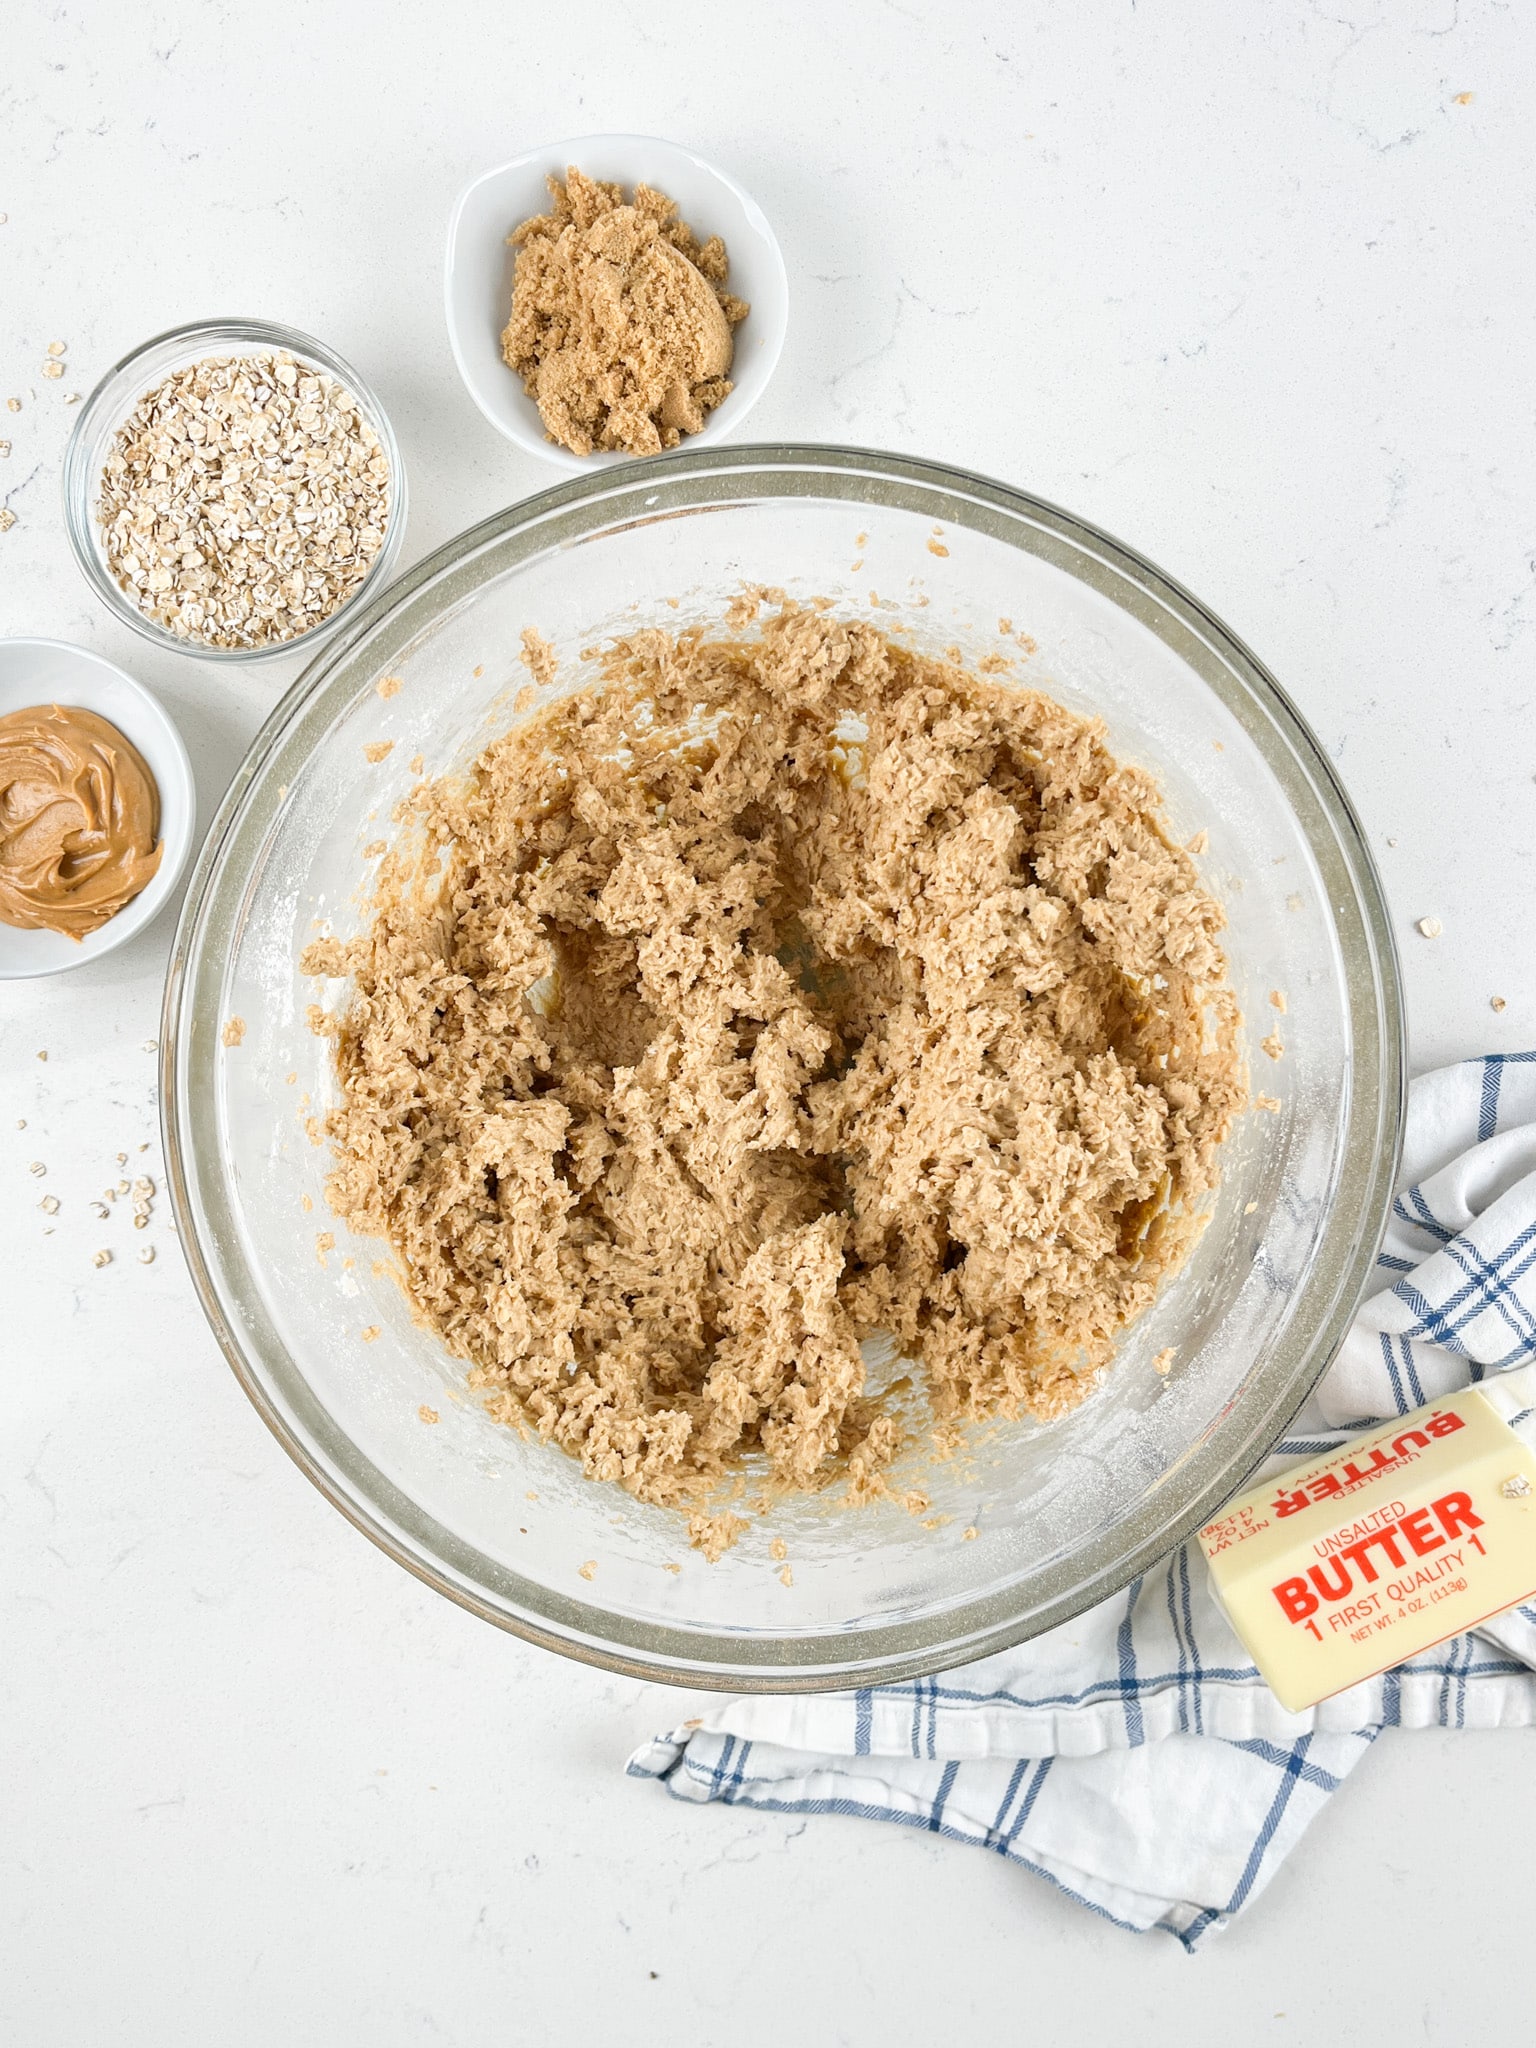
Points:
point(1035, 1521)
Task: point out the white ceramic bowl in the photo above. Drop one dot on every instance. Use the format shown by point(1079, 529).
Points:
point(478, 281)
point(53, 672)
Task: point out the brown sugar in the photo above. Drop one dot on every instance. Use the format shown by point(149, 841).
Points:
point(621, 326)
point(782, 992)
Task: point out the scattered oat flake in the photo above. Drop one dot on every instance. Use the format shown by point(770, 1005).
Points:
point(7, 518)
point(372, 1334)
point(1464, 99)
point(57, 348)
point(151, 1045)
point(390, 686)
point(5, 449)
point(778, 1549)
point(1249, 1208)
point(147, 1256)
point(305, 1204)
point(234, 1031)
point(37, 1167)
point(52, 368)
point(1163, 1363)
point(13, 405)
point(21, 1123)
point(49, 1205)
point(377, 749)
point(101, 1259)
point(428, 1414)
point(71, 398)
point(588, 1570)
point(480, 671)
point(1497, 1003)
point(1277, 1001)
point(1272, 1045)
point(100, 1211)
point(937, 547)
point(1431, 927)
point(969, 1535)
point(1516, 1487)
point(786, 1575)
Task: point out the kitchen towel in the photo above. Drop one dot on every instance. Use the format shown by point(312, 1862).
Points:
point(1134, 1757)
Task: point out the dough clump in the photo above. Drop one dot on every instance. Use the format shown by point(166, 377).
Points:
point(779, 992)
point(621, 323)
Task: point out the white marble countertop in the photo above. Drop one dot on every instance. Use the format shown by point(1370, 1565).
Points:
point(1248, 285)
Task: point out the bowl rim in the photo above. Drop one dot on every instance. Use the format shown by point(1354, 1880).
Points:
point(1366, 1172)
point(139, 911)
point(763, 365)
point(78, 476)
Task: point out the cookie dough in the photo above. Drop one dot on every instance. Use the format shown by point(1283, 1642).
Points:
point(781, 991)
point(79, 820)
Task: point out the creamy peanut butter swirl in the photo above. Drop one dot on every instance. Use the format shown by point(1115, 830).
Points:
point(79, 820)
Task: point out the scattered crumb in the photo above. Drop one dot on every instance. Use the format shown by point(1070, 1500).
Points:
point(1163, 1363)
point(325, 1241)
point(1431, 927)
point(21, 1123)
point(937, 547)
point(416, 763)
point(1220, 749)
point(1293, 902)
point(778, 1549)
point(390, 686)
point(969, 1535)
point(372, 1334)
point(13, 405)
point(306, 1204)
point(860, 540)
point(427, 1414)
point(377, 749)
point(588, 1570)
point(289, 1079)
point(1277, 1001)
point(1391, 842)
point(538, 656)
point(234, 1031)
point(524, 700)
point(42, 1055)
point(1005, 626)
point(1268, 1102)
point(674, 1569)
point(714, 1534)
point(855, 567)
point(478, 672)
point(1516, 1487)
point(1272, 1045)
point(102, 1259)
point(786, 1575)
point(1497, 1003)
point(1249, 1208)
point(1463, 99)
point(1200, 843)
point(374, 848)
point(7, 518)
point(530, 1495)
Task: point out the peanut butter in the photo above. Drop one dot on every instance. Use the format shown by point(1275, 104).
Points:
point(79, 819)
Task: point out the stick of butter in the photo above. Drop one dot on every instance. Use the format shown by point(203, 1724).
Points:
point(1416, 1531)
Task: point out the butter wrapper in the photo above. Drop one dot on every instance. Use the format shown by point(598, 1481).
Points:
point(1413, 1532)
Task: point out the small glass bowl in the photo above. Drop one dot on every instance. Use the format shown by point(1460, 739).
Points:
point(115, 397)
